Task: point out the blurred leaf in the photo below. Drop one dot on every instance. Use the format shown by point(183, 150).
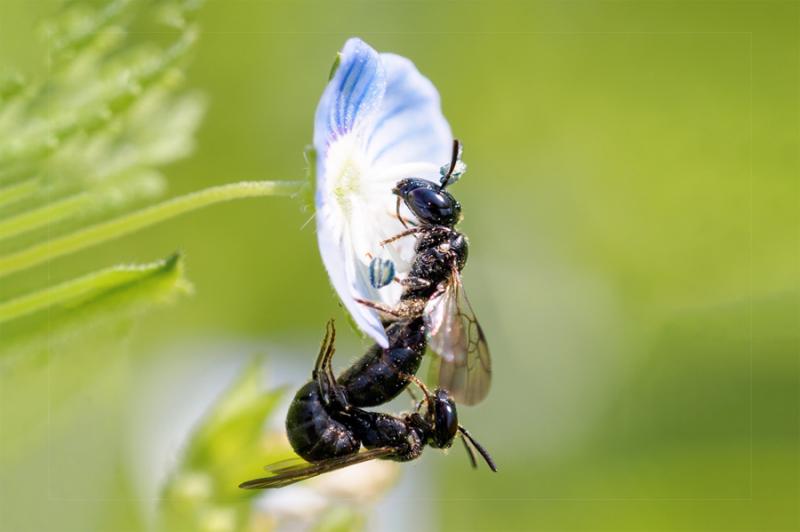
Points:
point(81, 291)
point(225, 449)
point(70, 309)
point(83, 141)
point(235, 422)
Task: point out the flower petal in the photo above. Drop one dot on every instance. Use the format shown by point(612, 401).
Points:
point(378, 121)
point(351, 96)
point(347, 106)
point(343, 267)
point(409, 126)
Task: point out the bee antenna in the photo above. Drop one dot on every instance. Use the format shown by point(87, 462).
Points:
point(483, 452)
point(453, 161)
point(470, 452)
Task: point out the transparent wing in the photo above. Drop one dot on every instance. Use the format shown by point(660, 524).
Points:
point(294, 470)
point(464, 366)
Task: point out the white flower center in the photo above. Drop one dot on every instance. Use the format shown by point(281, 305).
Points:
point(346, 169)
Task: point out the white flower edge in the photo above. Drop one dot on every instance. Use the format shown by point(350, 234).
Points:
point(379, 120)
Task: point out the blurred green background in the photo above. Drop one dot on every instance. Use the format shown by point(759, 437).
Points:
point(633, 208)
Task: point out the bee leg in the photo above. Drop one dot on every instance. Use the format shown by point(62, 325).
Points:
point(380, 307)
point(421, 385)
point(425, 391)
point(414, 398)
point(332, 393)
point(325, 349)
point(398, 236)
point(405, 221)
point(399, 217)
point(415, 283)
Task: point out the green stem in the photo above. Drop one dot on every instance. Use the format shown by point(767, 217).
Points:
point(18, 191)
point(111, 229)
point(48, 214)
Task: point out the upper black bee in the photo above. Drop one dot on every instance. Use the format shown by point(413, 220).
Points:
point(433, 289)
point(328, 431)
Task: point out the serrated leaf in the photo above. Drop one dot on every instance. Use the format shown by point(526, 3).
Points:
point(224, 449)
point(81, 291)
point(74, 306)
point(227, 442)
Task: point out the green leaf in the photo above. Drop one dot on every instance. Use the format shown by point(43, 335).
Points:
point(225, 449)
point(228, 442)
point(83, 290)
point(335, 66)
point(73, 307)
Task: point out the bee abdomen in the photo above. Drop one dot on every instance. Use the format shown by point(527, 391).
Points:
point(381, 374)
point(312, 432)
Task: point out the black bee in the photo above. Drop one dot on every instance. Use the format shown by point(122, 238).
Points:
point(325, 423)
point(328, 431)
point(433, 290)
point(381, 374)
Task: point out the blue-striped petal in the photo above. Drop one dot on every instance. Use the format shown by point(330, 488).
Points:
point(409, 126)
point(352, 95)
point(378, 121)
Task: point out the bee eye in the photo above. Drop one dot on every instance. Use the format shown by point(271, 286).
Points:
point(433, 206)
point(445, 420)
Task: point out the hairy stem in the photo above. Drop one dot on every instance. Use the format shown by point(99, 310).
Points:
point(111, 229)
point(18, 191)
point(47, 214)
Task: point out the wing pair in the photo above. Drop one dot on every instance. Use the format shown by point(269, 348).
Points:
point(296, 469)
point(463, 366)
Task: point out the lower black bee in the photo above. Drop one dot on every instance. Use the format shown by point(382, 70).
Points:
point(328, 432)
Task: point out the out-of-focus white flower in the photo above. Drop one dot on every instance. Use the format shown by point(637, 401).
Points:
point(355, 488)
point(363, 483)
point(379, 120)
point(293, 503)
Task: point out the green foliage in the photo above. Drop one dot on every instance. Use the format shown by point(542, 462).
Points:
point(89, 137)
point(87, 141)
point(71, 310)
point(91, 288)
point(82, 143)
point(120, 226)
point(632, 211)
point(225, 449)
point(82, 151)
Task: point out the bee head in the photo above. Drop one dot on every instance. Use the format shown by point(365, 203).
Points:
point(443, 418)
point(431, 204)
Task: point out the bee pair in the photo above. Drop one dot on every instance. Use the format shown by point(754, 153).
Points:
point(327, 425)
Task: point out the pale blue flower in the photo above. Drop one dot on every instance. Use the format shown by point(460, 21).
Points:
point(379, 120)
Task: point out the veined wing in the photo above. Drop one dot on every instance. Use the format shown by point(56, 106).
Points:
point(464, 365)
point(294, 470)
